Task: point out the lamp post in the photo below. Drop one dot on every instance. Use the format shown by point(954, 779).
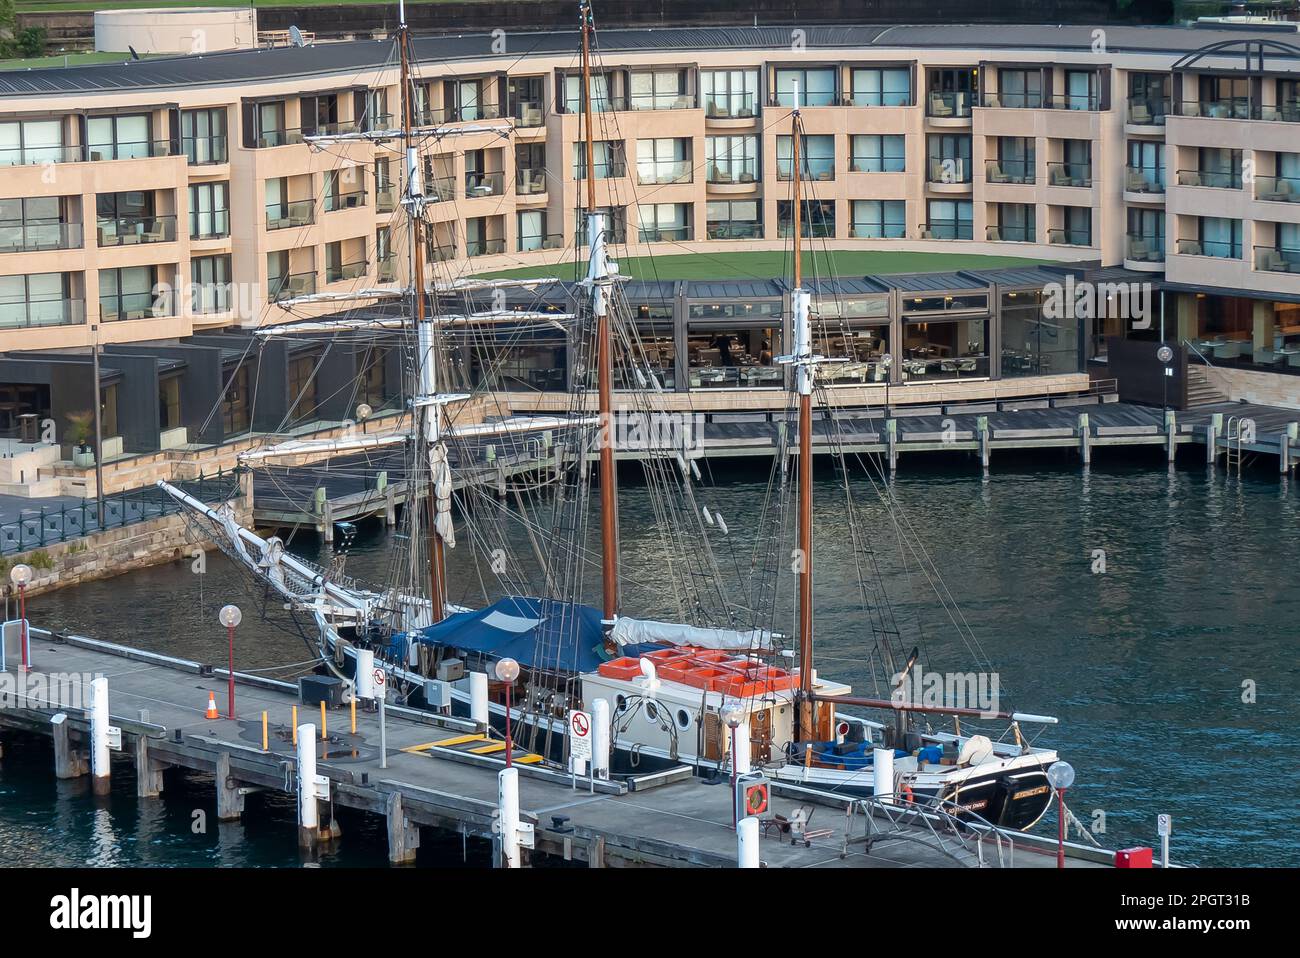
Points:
point(1060, 776)
point(507, 671)
point(732, 716)
point(886, 361)
point(20, 575)
point(230, 617)
point(363, 413)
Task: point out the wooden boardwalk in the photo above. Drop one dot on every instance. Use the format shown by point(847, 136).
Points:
point(668, 820)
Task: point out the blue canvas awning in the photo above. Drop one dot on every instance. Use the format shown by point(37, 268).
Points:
point(537, 633)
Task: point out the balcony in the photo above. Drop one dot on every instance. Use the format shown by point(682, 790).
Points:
point(442, 252)
point(607, 170)
point(1277, 189)
point(1216, 249)
point(528, 114)
point(549, 241)
point(439, 189)
point(346, 271)
point(664, 172)
point(352, 200)
point(205, 150)
point(131, 230)
point(1017, 171)
point(386, 199)
point(1234, 108)
point(877, 164)
point(473, 113)
point(1277, 259)
point(1277, 113)
point(814, 168)
point(661, 101)
point(946, 230)
point(281, 216)
point(1214, 179)
point(948, 106)
point(128, 151)
point(530, 182)
point(734, 229)
point(1025, 100)
point(1010, 234)
point(386, 268)
point(1069, 237)
point(1144, 179)
point(484, 184)
point(209, 224)
point(948, 171)
point(1141, 248)
point(731, 173)
point(676, 234)
point(733, 106)
point(37, 237)
point(1148, 110)
point(290, 286)
point(1069, 174)
point(210, 298)
point(484, 247)
point(282, 137)
point(129, 306)
point(32, 314)
point(40, 155)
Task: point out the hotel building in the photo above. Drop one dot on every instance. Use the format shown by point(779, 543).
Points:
point(162, 208)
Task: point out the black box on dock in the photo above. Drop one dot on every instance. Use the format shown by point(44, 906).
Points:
point(314, 689)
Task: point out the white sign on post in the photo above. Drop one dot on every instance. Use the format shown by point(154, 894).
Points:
point(379, 678)
point(1164, 825)
point(580, 735)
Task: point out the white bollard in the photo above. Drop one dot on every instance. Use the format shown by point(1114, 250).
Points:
point(742, 747)
point(882, 776)
point(508, 815)
point(99, 758)
point(308, 812)
point(478, 697)
point(365, 677)
point(600, 739)
point(747, 842)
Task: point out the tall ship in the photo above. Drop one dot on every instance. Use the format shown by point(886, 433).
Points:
point(738, 651)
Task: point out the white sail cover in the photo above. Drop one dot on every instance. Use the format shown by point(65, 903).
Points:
point(629, 631)
point(440, 473)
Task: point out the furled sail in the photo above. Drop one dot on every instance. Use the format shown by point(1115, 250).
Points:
point(630, 631)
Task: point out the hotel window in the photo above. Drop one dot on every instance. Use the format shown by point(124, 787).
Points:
point(1223, 96)
point(1076, 228)
point(121, 138)
point(879, 219)
point(1019, 89)
point(1081, 90)
point(1146, 167)
point(877, 153)
point(732, 159)
point(816, 157)
point(734, 219)
point(1217, 167)
point(524, 96)
point(949, 219)
point(124, 219)
point(1146, 235)
point(664, 222)
point(607, 157)
point(271, 130)
point(1148, 98)
point(532, 229)
point(1016, 161)
point(729, 93)
point(344, 189)
point(855, 330)
point(203, 136)
point(882, 87)
point(816, 218)
point(949, 158)
point(33, 141)
point(600, 94)
point(210, 284)
point(1015, 224)
point(660, 90)
point(1288, 100)
point(38, 299)
point(320, 114)
point(37, 223)
point(1219, 236)
point(128, 293)
point(209, 212)
point(376, 116)
point(304, 387)
point(470, 99)
point(949, 91)
point(816, 87)
point(665, 160)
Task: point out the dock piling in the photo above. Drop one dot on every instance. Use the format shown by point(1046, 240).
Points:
point(891, 437)
point(982, 428)
point(1171, 434)
point(478, 698)
point(148, 771)
point(508, 817)
point(1085, 449)
point(403, 837)
point(68, 762)
point(747, 842)
point(600, 739)
point(308, 812)
point(230, 797)
point(99, 756)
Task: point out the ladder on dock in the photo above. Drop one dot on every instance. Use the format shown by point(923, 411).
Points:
point(1235, 435)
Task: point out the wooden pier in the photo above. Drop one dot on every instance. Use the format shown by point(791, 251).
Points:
point(672, 819)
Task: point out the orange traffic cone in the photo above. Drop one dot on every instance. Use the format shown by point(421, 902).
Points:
point(212, 706)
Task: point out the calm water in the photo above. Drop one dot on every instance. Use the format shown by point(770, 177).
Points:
point(1143, 664)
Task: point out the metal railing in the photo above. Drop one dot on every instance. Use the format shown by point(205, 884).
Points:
point(439, 189)
point(944, 826)
point(943, 106)
point(677, 234)
point(128, 151)
point(730, 106)
point(34, 237)
point(1064, 173)
point(205, 150)
point(1277, 189)
point(1068, 237)
point(530, 182)
point(281, 216)
point(814, 168)
point(1144, 179)
point(39, 155)
point(1144, 249)
point(485, 247)
point(1014, 100)
point(31, 314)
point(1277, 259)
point(1018, 171)
point(607, 170)
point(129, 306)
point(664, 172)
point(345, 271)
point(1233, 108)
point(1219, 249)
point(1010, 234)
point(128, 230)
point(484, 184)
point(1276, 112)
point(877, 164)
point(290, 285)
point(734, 229)
point(279, 137)
point(1148, 110)
point(661, 101)
point(50, 525)
point(948, 230)
point(351, 200)
point(209, 224)
point(1216, 179)
point(948, 169)
point(549, 241)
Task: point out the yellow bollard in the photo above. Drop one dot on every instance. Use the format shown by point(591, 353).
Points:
point(354, 716)
point(295, 726)
point(265, 740)
point(322, 720)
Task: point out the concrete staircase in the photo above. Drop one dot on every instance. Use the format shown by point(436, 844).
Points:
point(1199, 390)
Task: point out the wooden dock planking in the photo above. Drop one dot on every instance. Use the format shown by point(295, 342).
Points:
point(684, 823)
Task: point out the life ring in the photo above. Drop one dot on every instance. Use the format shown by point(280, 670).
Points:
point(907, 792)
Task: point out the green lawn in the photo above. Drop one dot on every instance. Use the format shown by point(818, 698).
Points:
point(58, 60)
point(770, 265)
point(85, 6)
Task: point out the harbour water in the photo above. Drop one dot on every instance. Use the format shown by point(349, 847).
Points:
point(1171, 666)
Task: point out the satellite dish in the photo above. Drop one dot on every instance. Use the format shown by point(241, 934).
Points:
point(134, 55)
point(295, 36)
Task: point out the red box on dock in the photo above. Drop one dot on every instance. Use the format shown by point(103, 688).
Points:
point(1133, 858)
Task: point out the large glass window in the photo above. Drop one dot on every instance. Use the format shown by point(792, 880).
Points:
point(660, 90)
point(1081, 90)
point(33, 141)
point(816, 157)
point(1034, 344)
point(816, 87)
point(855, 330)
point(210, 284)
point(1015, 163)
point(209, 212)
point(1146, 235)
point(729, 93)
point(1146, 167)
point(600, 94)
point(945, 348)
point(890, 86)
point(734, 219)
point(37, 299)
point(1020, 89)
point(949, 158)
point(1219, 236)
point(607, 157)
point(816, 218)
point(949, 91)
point(203, 136)
point(120, 137)
point(732, 345)
point(732, 159)
point(1015, 223)
point(664, 222)
point(128, 293)
point(663, 160)
point(949, 219)
point(304, 387)
point(37, 223)
point(879, 219)
point(532, 229)
point(874, 153)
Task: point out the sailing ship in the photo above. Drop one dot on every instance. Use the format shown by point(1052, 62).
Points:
point(678, 690)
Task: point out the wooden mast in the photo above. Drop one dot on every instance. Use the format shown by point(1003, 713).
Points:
point(803, 376)
point(604, 349)
point(426, 377)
